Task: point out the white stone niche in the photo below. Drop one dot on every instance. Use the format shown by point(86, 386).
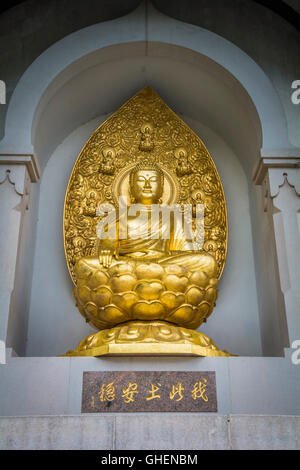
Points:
point(221, 94)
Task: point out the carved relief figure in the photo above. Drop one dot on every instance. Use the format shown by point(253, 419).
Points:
point(146, 143)
point(107, 166)
point(183, 167)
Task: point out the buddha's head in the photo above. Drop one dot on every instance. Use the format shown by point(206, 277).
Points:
point(146, 183)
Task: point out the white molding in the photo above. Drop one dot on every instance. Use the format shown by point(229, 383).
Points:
point(273, 162)
point(28, 160)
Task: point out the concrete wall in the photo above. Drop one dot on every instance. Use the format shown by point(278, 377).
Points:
point(55, 324)
point(31, 386)
point(150, 432)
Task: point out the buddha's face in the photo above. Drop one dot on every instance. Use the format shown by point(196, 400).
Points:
point(146, 187)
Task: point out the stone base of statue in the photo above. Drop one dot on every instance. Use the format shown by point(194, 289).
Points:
point(142, 338)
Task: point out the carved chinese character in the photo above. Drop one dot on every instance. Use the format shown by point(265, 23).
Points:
point(107, 392)
point(154, 389)
point(177, 391)
point(200, 389)
point(128, 393)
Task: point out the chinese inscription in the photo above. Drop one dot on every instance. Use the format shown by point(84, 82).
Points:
point(149, 391)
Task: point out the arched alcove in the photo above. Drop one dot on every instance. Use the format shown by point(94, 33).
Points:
point(190, 83)
point(207, 81)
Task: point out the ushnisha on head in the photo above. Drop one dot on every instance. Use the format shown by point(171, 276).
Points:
point(146, 182)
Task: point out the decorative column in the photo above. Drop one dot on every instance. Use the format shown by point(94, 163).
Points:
point(17, 172)
point(280, 178)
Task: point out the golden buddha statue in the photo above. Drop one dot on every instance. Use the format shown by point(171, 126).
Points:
point(144, 284)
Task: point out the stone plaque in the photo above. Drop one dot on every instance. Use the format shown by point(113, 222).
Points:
point(149, 391)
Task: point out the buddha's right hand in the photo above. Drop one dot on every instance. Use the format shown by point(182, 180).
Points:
point(105, 258)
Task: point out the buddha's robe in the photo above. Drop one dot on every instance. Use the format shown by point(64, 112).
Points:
point(164, 244)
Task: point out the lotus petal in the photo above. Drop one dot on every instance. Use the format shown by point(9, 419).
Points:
point(125, 301)
point(149, 271)
point(85, 266)
point(91, 309)
point(99, 278)
point(175, 269)
point(82, 281)
point(120, 268)
point(204, 308)
point(152, 310)
point(176, 283)
point(183, 314)
point(195, 322)
point(112, 314)
point(194, 295)
point(211, 295)
point(84, 294)
point(149, 290)
point(101, 296)
point(123, 283)
point(213, 282)
point(172, 300)
point(199, 278)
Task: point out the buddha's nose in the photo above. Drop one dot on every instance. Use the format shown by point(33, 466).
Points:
point(147, 184)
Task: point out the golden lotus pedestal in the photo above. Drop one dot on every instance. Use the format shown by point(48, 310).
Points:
point(147, 338)
point(145, 309)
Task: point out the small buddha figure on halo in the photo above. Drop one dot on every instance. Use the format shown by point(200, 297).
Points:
point(146, 143)
point(90, 205)
point(183, 166)
point(107, 166)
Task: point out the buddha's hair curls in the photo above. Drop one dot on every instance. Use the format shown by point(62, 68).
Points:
point(146, 165)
